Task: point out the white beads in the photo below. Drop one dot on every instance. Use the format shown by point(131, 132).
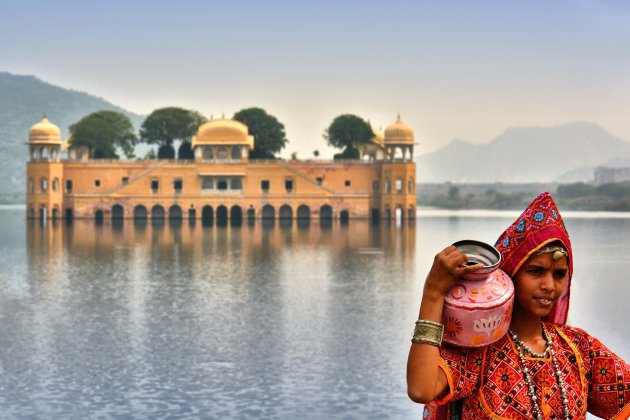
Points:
point(522, 350)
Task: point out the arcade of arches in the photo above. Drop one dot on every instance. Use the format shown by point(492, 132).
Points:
point(210, 213)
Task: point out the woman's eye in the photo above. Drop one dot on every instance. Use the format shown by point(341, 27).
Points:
point(535, 270)
point(559, 275)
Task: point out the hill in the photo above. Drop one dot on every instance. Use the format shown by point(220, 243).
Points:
point(23, 102)
point(565, 153)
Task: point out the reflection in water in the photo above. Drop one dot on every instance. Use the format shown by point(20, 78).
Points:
point(263, 320)
point(286, 319)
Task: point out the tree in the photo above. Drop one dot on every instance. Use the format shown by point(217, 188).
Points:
point(347, 132)
point(575, 190)
point(164, 126)
point(316, 153)
point(102, 132)
point(268, 132)
point(185, 151)
point(166, 151)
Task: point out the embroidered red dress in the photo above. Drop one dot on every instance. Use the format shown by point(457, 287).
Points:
point(488, 382)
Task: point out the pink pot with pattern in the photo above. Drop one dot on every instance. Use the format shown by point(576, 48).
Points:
point(478, 309)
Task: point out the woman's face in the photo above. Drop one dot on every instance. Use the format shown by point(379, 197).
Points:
point(539, 283)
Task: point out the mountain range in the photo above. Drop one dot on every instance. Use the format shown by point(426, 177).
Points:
point(564, 153)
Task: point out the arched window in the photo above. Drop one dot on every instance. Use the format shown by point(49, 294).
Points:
point(399, 186)
point(222, 215)
point(304, 212)
point(325, 212)
point(268, 212)
point(43, 185)
point(387, 186)
point(207, 215)
point(157, 212)
point(410, 186)
point(236, 214)
point(55, 185)
point(286, 212)
point(344, 216)
point(175, 212)
point(31, 185)
point(118, 212)
point(140, 212)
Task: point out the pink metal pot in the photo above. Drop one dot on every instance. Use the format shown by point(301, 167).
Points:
point(478, 309)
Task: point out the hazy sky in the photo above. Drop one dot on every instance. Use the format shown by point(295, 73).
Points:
point(453, 69)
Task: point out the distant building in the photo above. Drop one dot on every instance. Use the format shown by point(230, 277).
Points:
point(605, 175)
point(221, 183)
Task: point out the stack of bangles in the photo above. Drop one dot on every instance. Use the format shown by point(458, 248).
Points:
point(428, 332)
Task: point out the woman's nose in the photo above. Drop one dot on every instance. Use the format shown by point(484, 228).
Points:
point(547, 282)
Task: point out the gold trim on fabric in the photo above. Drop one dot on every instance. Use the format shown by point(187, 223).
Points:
point(582, 368)
point(624, 414)
point(449, 378)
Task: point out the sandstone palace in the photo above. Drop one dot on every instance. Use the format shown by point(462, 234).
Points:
point(221, 183)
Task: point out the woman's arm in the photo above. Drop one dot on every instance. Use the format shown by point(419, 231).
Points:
point(425, 380)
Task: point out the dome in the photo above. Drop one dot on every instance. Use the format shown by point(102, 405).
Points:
point(222, 132)
point(44, 132)
point(399, 133)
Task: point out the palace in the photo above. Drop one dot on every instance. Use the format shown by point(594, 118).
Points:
point(221, 183)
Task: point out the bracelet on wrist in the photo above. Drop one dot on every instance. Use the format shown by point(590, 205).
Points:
point(428, 332)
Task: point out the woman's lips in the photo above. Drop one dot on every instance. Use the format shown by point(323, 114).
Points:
point(544, 301)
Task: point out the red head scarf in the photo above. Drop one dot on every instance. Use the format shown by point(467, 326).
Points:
point(539, 225)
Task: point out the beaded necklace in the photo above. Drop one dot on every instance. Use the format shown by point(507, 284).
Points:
point(531, 391)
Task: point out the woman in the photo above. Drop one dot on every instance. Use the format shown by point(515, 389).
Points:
point(542, 369)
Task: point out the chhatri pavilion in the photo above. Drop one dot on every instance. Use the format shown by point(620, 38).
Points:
point(221, 182)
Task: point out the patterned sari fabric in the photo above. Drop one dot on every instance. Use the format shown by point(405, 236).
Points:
point(488, 383)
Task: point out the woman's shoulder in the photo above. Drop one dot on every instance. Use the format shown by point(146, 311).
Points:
point(567, 330)
point(574, 335)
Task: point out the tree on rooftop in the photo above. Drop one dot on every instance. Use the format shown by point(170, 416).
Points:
point(102, 132)
point(347, 132)
point(268, 132)
point(164, 126)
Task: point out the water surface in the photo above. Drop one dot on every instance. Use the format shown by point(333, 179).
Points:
point(179, 321)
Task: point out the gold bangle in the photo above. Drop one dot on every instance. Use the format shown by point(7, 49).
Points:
point(428, 332)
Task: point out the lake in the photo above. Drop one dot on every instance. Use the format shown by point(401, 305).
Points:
point(281, 321)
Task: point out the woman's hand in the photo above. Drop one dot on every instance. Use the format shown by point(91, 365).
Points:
point(425, 380)
point(448, 267)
